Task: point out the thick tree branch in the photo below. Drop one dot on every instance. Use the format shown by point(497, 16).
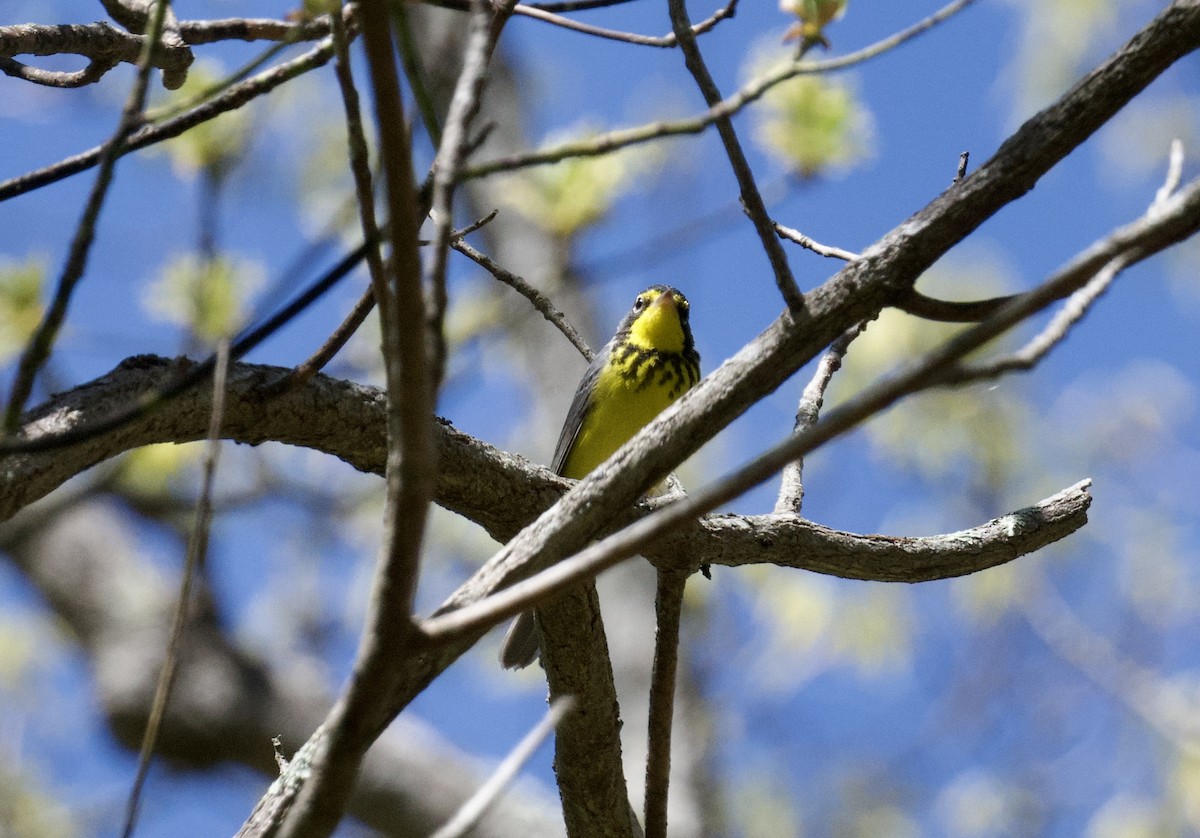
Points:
point(499, 491)
point(668, 613)
point(105, 46)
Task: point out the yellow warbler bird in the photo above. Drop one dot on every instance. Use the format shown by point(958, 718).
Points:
point(649, 363)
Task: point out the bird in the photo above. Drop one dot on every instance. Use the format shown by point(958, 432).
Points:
point(650, 362)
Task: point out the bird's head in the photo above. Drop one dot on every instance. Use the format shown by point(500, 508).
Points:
point(658, 320)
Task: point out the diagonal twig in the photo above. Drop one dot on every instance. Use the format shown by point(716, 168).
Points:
point(486, 23)
point(360, 167)
point(539, 300)
point(665, 41)
point(791, 489)
point(197, 552)
point(751, 92)
point(148, 135)
point(751, 197)
point(466, 818)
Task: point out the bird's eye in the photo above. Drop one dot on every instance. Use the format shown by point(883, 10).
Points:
point(639, 303)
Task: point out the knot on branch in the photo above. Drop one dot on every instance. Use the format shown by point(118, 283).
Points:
point(103, 45)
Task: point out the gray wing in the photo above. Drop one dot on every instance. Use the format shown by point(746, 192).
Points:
point(580, 405)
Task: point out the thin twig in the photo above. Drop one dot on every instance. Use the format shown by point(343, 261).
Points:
point(668, 611)
point(614, 140)
point(577, 5)
point(350, 726)
point(37, 351)
point(751, 198)
point(231, 99)
point(411, 458)
point(486, 23)
point(194, 375)
point(470, 813)
point(539, 300)
point(911, 301)
point(360, 167)
point(791, 488)
point(198, 32)
point(1078, 304)
point(1055, 332)
point(197, 552)
point(1174, 172)
point(664, 41)
point(816, 247)
point(961, 171)
point(333, 344)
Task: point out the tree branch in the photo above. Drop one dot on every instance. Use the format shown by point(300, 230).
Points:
point(85, 562)
point(751, 92)
point(228, 100)
point(37, 350)
point(411, 461)
point(751, 198)
point(668, 612)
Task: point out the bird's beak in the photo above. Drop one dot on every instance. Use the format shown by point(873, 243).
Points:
point(665, 300)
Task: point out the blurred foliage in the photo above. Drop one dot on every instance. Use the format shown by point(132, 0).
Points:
point(763, 809)
point(811, 125)
point(567, 197)
point(1129, 412)
point(814, 16)
point(813, 622)
point(1184, 785)
point(28, 811)
point(1057, 37)
point(29, 649)
point(20, 302)
point(875, 821)
point(1135, 144)
point(977, 804)
point(946, 432)
point(325, 185)
point(20, 642)
point(1126, 816)
point(206, 296)
point(985, 597)
point(150, 470)
point(212, 148)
